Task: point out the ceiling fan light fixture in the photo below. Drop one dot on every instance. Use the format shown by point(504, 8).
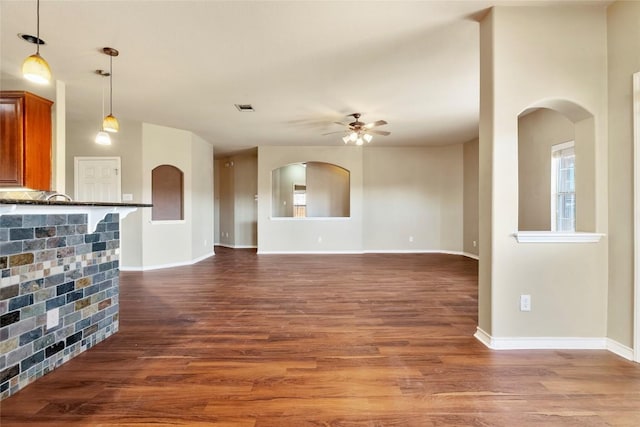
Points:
point(346, 139)
point(103, 138)
point(35, 68)
point(353, 137)
point(359, 141)
point(367, 137)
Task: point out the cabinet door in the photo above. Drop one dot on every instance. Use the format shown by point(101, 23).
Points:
point(11, 140)
point(37, 143)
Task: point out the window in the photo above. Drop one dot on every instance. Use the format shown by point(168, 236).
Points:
point(563, 187)
point(299, 201)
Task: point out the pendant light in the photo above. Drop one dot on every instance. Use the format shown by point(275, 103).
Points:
point(35, 68)
point(110, 123)
point(102, 138)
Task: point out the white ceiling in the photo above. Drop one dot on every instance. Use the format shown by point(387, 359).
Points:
point(301, 64)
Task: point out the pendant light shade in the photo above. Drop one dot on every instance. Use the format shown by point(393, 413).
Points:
point(110, 123)
point(103, 138)
point(35, 68)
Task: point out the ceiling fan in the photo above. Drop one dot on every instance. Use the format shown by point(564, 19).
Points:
point(358, 131)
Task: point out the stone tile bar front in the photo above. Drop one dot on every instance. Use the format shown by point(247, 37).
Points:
point(59, 286)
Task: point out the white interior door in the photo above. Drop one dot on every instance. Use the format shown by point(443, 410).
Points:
point(97, 179)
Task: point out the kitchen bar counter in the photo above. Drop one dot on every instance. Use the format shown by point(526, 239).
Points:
point(95, 211)
point(59, 283)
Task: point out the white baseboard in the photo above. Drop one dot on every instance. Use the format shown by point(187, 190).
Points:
point(308, 252)
point(553, 343)
point(619, 349)
point(359, 252)
point(170, 265)
point(470, 255)
point(224, 245)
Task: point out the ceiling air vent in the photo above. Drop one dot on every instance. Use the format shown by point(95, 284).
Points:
point(245, 108)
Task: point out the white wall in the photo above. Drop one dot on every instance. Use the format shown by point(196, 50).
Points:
point(168, 243)
point(126, 144)
point(202, 198)
point(307, 234)
point(624, 59)
point(413, 198)
point(398, 194)
point(520, 66)
point(470, 190)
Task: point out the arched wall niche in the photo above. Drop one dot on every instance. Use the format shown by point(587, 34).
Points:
point(310, 190)
point(544, 129)
point(167, 193)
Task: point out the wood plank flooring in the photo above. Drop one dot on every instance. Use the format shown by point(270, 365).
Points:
point(331, 340)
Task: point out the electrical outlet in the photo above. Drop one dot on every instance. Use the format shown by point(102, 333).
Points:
point(319, 239)
point(53, 318)
point(410, 239)
point(525, 302)
point(475, 243)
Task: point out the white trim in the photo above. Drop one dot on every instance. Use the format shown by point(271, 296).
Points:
point(562, 146)
point(553, 343)
point(540, 343)
point(358, 252)
point(557, 237)
point(619, 349)
point(309, 252)
point(168, 221)
point(636, 213)
point(170, 265)
point(310, 218)
point(482, 336)
point(225, 245)
point(470, 255)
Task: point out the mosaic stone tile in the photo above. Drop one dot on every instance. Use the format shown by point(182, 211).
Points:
point(11, 221)
point(9, 292)
point(40, 270)
point(9, 248)
point(34, 245)
point(21, 259)
point(56, 242)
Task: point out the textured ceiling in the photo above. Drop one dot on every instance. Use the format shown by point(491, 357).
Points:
point(301, 64)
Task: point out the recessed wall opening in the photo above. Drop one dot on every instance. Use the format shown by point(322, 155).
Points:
point(310, 190)
point(167, 193)
point(556, 168)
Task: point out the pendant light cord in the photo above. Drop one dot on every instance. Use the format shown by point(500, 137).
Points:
point(38, 27)
point(110, 85)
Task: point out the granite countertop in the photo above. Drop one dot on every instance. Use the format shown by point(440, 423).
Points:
point(71, 203)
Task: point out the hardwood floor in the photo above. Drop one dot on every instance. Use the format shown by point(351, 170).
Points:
point(331, 340)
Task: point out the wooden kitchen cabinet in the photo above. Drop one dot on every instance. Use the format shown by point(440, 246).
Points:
point(25, 140)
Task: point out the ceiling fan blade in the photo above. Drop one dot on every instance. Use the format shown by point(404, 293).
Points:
point(331, 133)
point(341, 124)
point(379, 132)
point(376, 123)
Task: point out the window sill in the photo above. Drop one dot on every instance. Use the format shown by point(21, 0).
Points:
point(167, 221)
point(557, 237)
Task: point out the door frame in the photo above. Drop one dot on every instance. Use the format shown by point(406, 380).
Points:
point(636, 214)
point(76, 177)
